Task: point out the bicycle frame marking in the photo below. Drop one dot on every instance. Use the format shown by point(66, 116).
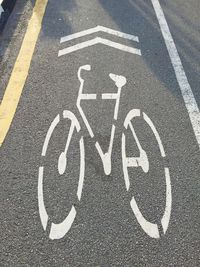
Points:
point(120, 81)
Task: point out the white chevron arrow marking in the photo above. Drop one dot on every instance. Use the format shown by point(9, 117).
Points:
point(99, 40)
point(99, 29)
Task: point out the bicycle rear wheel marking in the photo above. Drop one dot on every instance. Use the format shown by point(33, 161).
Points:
point(150, 228)
point(82, 169)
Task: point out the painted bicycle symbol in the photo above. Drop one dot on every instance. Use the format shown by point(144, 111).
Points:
point(59, 230)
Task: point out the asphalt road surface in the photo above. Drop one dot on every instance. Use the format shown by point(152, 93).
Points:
point(100, 163)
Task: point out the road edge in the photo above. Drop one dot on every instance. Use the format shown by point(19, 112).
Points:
point(20, 70)
point(186, 90)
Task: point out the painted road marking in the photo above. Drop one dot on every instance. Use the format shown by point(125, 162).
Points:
point(20, 70)
point(1, 8)
point(99, 29)
point(99, 40)
point(142, 161)
point(181, 77)
point(59, 230)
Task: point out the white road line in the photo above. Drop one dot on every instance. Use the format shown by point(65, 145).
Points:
point(153, 128)
point(59, 230)
point(99, 29)
point(82, 168)
point(1, 8)
point(99, 40)
point(88, 96)
point(184, 85)
point(49, 133)
point(42, 210)
point(166, 217)
point(150, 229)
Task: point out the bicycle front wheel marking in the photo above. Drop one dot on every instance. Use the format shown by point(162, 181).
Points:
point(149, 228)
point(59, 230)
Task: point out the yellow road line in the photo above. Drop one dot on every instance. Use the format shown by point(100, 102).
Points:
point(20, 70)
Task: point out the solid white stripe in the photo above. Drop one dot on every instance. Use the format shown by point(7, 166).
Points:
point(184, 85)
point(1, 10)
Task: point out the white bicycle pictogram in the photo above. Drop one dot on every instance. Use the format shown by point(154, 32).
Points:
point(59, 230)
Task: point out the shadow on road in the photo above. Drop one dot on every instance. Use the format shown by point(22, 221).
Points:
point(138, 17)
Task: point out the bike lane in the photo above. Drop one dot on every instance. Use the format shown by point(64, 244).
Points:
point(105, 231)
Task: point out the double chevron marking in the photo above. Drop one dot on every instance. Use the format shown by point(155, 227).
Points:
point(99, 40)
